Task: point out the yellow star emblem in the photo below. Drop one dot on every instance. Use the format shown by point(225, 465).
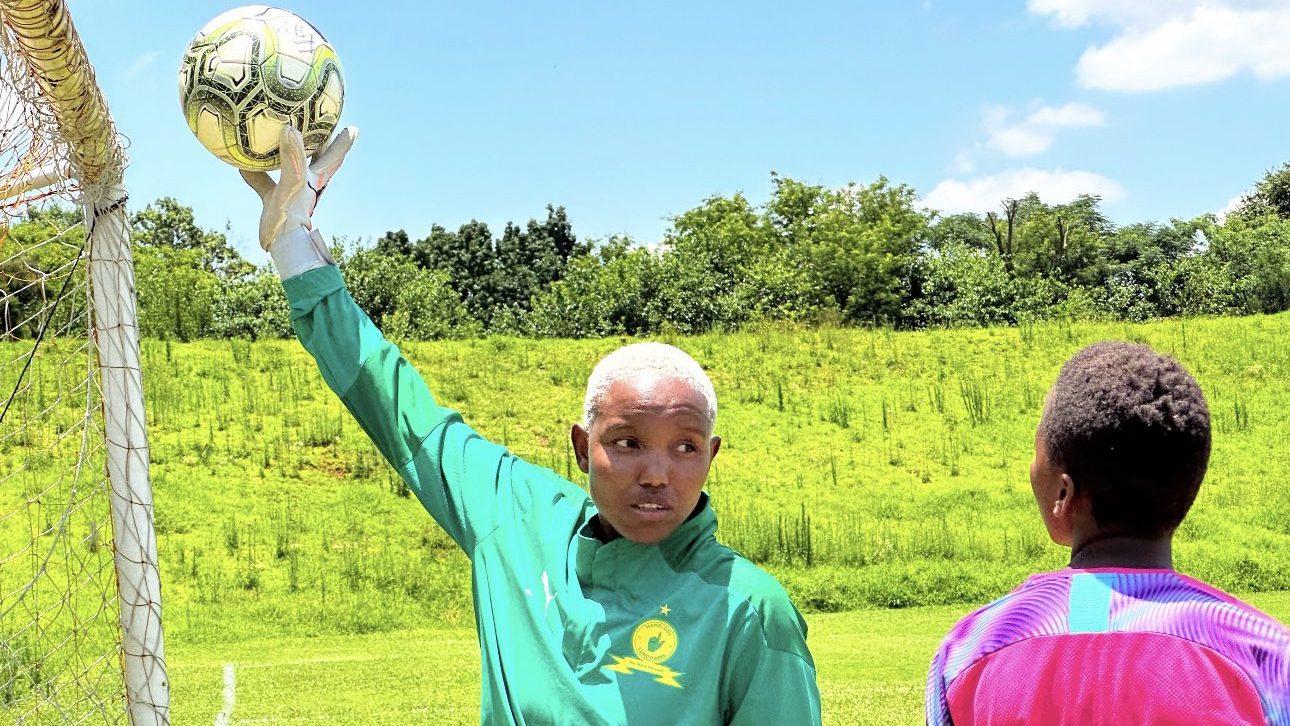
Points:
point(665, 609)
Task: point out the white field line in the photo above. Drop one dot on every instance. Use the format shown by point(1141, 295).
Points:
point(225, 717)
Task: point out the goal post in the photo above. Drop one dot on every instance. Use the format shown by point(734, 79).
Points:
point(80, 609)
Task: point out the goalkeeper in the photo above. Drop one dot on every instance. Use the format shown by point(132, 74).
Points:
point(615, 608)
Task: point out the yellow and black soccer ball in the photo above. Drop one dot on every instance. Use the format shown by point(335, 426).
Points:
point(249, 72)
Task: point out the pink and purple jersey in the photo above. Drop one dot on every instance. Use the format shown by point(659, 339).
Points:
point(1112, 646)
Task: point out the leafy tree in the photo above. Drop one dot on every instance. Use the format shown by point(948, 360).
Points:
point(964, 230)
point(176, 292)
point(1042, 298)
point(36, 256)
point(168, 224)
point(1255, 256)
point(861, 244)
point(1207, 287)
point(529, 260)
point(468, 258)
point(1070, 238)
point(964, 285)
point(722, 235)
point(253, 307)
point(395, 242)
point(1060, 241)
point(774, 287)
point(405, 301)
point(555, 234)
point(706, 257)
point(691, 296)
point(609, 293)
point(1004, 231)
point(1271, 196)
point(180, 270)
point(1144, 273)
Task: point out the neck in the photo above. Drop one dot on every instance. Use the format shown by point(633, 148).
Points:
point(1121, 550)
point(602, 531)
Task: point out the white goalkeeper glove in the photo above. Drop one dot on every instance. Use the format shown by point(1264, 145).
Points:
point(286, 226)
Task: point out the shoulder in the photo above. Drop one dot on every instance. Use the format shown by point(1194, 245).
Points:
point(1176, 604)
point(1184, 591)
point(537, 488)
point(1256, 641)
point(762, 603)
point(1035, 608)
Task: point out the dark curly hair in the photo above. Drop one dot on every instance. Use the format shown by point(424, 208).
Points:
point(1131, 427)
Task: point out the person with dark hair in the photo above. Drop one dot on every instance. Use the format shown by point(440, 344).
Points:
point(1118, 637)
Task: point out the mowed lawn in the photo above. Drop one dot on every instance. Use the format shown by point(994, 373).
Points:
point(871, 667)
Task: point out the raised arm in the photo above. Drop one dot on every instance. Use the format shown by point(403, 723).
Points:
point(461, 479)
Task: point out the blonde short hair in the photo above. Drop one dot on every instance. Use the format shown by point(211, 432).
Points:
point(640, 358)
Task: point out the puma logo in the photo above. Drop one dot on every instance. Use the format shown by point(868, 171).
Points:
point(546, 588)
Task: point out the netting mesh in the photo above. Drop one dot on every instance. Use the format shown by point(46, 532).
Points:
point(58, 610)
point(80, 638)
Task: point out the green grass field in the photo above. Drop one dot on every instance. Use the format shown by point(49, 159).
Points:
point(871, 663)
point(865, 468)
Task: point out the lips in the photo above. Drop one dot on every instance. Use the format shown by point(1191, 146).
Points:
point(651, 511)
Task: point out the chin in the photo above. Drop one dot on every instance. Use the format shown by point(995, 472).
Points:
point(1060, 538)
point(647, 539)
point(648, 535)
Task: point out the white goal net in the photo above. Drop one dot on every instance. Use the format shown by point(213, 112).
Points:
point(80, 603)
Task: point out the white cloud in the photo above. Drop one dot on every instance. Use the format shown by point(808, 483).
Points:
point(984, 194)
point(1232, 205)
point(1124, 13)
point(1170, 43)
point(1071, 114)
point(1035, 133)
point(141, 63)
point(1020, 140)
point(963, 163)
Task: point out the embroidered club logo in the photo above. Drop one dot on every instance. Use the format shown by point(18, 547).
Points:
point(654, 641)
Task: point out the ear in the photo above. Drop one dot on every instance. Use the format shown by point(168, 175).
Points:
point(578, 435)
point(715, 446)
point(1063, 507)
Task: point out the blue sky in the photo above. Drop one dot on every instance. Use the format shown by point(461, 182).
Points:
point(628, 113)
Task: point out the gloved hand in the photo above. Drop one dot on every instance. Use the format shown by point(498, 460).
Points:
point(286, 226)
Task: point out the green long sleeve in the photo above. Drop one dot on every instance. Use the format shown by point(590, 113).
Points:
point(454, 472)
point(571, 629)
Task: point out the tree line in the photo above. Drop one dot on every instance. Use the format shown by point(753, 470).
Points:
point(858, 255)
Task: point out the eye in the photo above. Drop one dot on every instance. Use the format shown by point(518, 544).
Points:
point(624, 443)
point(686, 447)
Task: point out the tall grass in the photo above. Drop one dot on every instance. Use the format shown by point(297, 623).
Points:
point(861, 467)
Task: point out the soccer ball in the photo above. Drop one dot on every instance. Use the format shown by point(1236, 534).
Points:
point(249, 72)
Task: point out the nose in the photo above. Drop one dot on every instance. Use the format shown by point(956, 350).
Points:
point(654, 470)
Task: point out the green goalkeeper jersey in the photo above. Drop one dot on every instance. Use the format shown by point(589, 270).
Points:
point(571, 630)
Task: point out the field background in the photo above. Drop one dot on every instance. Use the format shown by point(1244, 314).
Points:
point(872, 665)
point(882, 476)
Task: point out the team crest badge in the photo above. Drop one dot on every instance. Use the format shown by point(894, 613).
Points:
point(654, 641)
